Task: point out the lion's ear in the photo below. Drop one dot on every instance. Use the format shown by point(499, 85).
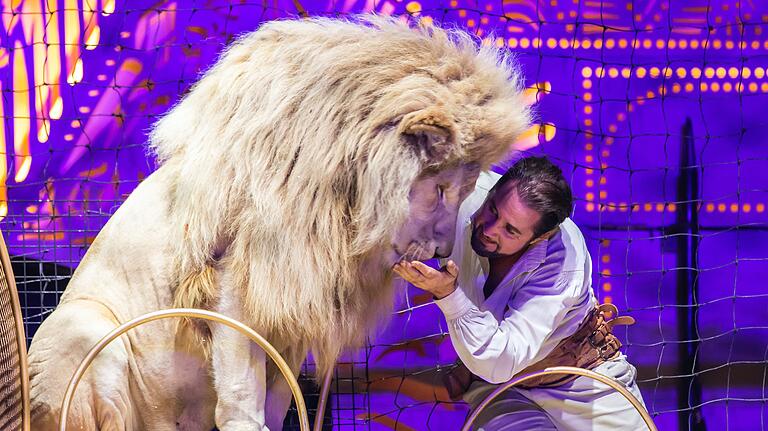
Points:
point(430, 132)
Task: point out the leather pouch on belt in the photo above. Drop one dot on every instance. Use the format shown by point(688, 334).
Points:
point(591, 345)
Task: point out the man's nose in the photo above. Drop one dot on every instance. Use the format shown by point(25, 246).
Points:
point(492, 227)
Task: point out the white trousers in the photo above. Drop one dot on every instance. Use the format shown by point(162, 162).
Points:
point(582, 405)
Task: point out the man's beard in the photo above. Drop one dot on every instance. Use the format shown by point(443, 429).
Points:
point(481, 248)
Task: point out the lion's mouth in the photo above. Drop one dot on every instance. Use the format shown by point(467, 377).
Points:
point(415, 251)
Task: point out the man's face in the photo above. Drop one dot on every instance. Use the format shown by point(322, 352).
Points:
point(503, 226)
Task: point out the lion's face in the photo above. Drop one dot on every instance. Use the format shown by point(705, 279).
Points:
point(434, 202)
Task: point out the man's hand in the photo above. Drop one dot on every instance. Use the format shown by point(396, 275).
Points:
point(439, 283)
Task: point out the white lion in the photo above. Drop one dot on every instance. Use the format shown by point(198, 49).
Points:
point(297, 171)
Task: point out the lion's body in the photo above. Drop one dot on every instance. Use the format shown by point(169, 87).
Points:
point(309, 159)
point(124, 274)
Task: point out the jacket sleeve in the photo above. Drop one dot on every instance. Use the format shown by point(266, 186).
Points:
point(497, 351)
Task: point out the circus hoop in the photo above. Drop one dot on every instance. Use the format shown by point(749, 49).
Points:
point(193, 313)
point(562, 370)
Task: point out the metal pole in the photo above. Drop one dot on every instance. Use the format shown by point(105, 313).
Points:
point(687, 226)
point(322, 402)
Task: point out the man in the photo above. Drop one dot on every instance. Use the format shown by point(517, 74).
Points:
point(524, 302)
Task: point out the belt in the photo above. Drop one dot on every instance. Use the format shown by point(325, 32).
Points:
point(591, 345)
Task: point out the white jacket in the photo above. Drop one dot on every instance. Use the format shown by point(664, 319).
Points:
point(543, 299)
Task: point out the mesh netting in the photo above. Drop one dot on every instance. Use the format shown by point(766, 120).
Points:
point(11, 392)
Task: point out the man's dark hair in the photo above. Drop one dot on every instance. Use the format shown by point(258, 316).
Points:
point(541, 187)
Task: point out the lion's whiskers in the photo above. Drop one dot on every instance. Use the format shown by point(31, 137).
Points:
point(414, 250)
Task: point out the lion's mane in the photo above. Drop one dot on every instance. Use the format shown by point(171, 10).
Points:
point(291, 167)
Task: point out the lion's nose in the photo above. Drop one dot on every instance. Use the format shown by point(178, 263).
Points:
point(444, 250)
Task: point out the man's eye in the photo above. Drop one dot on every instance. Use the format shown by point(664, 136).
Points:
point(493, 209)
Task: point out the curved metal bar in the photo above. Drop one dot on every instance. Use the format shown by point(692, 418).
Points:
point(21, 338)
point(320, 414)
point(194, 313)
point(563, 370)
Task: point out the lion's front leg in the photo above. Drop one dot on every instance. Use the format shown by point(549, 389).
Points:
point(239, 374)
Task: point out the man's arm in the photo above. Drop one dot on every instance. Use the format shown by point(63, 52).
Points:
point(493, 350)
